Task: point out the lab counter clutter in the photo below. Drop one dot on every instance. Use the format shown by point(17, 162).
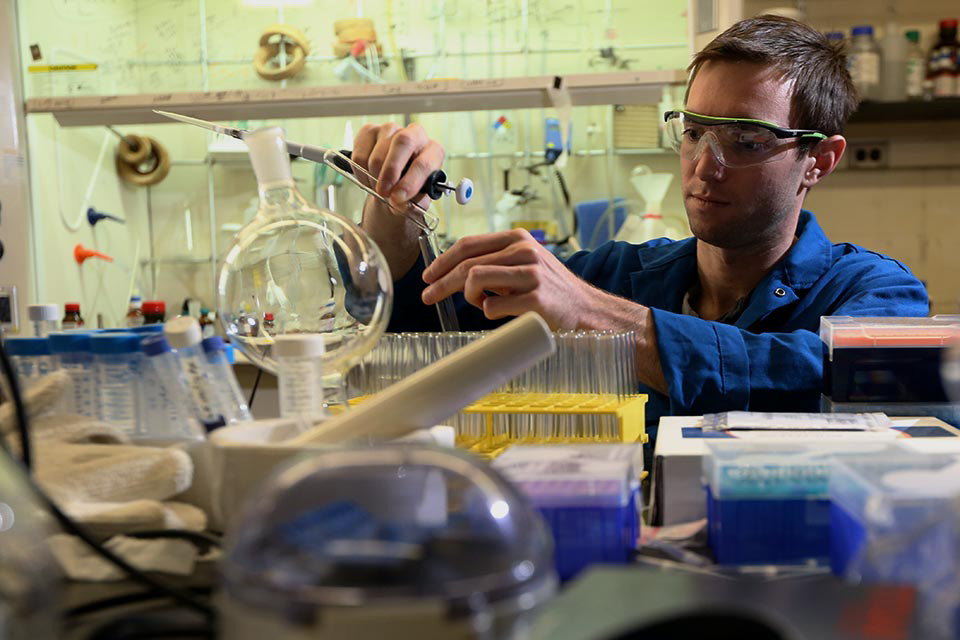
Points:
point(478, 488)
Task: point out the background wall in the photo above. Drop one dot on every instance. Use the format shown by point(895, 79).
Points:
point(176, 230)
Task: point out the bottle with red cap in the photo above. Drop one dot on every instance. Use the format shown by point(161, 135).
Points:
point(71, 316)
point(942, 65)
point(154, 311)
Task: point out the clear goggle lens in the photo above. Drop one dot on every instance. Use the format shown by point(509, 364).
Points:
point(734, 144)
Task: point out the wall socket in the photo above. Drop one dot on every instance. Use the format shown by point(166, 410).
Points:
point(869, 155)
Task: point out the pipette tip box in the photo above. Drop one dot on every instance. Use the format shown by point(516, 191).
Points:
point(589, 495)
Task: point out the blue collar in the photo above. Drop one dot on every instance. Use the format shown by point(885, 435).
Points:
point(668, 272)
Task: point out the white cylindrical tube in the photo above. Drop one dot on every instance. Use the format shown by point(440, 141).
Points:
point(233, 403)
point(184, 335)
point(300, 374)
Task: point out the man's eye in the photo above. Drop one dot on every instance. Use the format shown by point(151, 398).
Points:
point(691, 134)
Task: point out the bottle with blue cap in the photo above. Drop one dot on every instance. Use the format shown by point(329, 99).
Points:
point(30, 358)
point(183, 334)
point(167, 401)
point(71, 352)
point(232, 400)
point(117, 360)
point(864, 62)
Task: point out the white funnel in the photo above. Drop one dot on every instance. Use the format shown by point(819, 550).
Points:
point(651, 186)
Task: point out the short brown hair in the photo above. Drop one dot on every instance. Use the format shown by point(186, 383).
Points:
point(823, 94)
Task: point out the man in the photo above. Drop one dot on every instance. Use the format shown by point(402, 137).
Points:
point(727, 319)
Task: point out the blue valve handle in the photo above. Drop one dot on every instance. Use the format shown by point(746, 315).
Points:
point(94, 216)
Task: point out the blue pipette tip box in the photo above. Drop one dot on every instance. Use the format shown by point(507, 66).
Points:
point(587, 493)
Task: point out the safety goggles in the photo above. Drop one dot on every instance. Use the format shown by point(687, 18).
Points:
point(735, 142)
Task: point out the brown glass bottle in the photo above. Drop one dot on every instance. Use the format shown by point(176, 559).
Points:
point(154, 311)
point(71, 316)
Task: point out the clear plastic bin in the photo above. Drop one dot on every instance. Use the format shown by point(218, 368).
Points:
point(767, 503)
point(895, 518)
point(587, 493)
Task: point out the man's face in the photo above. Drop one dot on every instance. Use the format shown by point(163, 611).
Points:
point(748, 206)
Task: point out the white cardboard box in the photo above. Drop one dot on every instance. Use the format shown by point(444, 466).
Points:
point(677, 493)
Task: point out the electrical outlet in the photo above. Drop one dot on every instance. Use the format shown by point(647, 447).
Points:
point(869, 155)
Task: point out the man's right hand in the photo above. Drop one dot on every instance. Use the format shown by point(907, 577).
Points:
point(385, 151)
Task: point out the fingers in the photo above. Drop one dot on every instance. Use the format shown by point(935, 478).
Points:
point(455, 280)
point(428, 160)
point(497, 307)
point(365, 146)
point(498, 279)
point(470, 247)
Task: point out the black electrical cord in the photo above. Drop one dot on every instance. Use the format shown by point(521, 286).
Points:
point(69, 526)
point(253, 391)
point(126, 599)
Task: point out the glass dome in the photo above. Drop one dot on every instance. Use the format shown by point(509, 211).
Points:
point(399, 541)
point(296, 268)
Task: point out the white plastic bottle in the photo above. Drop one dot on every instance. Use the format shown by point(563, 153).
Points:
point(117, 360)
point(183, 334)
point(300, 374)
point(233, 402)
point(45, 319)
point(30, 358)
point(915, 66)
point(864, 59)
point(166, 401)
point(893, 67)
point(71, 353)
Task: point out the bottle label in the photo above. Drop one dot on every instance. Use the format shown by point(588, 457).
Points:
point(865, 69)
point(69, 325)
point(915, 72)
point(944, 85)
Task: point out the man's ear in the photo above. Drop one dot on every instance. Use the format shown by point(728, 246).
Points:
point(823, 159)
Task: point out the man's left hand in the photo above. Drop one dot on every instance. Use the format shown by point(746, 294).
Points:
point(522, 274)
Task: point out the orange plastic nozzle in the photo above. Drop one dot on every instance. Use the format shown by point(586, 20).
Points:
point(81, 253)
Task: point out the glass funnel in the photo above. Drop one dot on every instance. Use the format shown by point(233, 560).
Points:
point(296, 268)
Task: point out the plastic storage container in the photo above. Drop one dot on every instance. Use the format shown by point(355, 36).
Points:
point(183, 334)
point(166, 400)
point(72, 354)
point(397, 542)
point(588, 494)
point(864, 61)
point(232, 401)
point(300, 374)
point(895, 519)
point(117, 361)
point(30, 357)
point(881, 360)
point(767, 503)
point(44, 318)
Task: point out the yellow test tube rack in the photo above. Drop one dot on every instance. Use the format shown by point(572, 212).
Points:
point(628, 412)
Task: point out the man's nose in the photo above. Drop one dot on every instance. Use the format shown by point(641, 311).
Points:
point(707, 158)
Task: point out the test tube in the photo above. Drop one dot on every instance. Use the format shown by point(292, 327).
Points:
point(45, 319)
point(232, 401)
point(184, 335)
point(71, 351)
point(30, 358)
point(300, 374)
point(169, 408)
point(116, 358)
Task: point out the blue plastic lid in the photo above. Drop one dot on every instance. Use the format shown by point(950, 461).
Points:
point(66, 342)
point(148, 328)
point(113, 343)
point(135, 299)
point(834, 35)
point(213, 343)
point(155, 345)
point(862, 30)
point(539, 235)
point(27, 346)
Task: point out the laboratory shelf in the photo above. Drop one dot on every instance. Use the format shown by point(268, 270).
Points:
point(627, 87)
point(912, 110)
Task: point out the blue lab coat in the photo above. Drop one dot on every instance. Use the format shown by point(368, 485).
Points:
point(770, 359)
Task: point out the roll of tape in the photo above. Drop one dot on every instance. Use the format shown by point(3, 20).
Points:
point(351, 23)
point(153, 168)
point(133, 149)
point(295, 46)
